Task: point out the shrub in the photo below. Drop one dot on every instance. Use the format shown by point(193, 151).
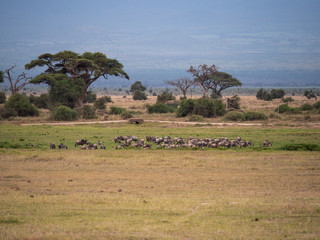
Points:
point(287, 99)
point(300, 147)
point(160, 108)
point(204, 107)
point(165, 96)
point(186, 107)
point(284, 108)
point(88, 112)
point(253, 116)
point(274, 115)
point(196, 118)
point(277, 93)
point(2, 97)
point(317, 105)
point(138, 95)
point(21, 105)
point(6, 113)
point(108, 99)
point(126, 115)
point(306, 107)
point(100, 103)
point(63, 113)
point(234, 102)
point(116, 110)
point(309, 94)
point(234, 116)
point(42, 101)
point(90, 97)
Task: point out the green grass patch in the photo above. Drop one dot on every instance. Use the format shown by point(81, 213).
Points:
point(300, 147)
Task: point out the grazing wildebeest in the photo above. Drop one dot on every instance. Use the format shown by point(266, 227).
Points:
point(52, 146)
point(61, 146)
point(81, 142)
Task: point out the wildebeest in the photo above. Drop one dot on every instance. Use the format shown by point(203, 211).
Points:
point(62, 146)
point(52, 145)
point(267, 143)
point(80, 142)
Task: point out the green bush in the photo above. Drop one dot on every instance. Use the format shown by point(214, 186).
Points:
point(6, 113)
point(234, 116)
point(160, 108)
point(20, 104)
point(317, 105)
point(2, 97)
point(116, 110)
point(165, 96)
point(196, 118)
point(139, 95)
point(88, 112)
point(63, 113)
point(126, 115)
point(287, 99)
point(100, 103)
point(306, 107)
point(284, 108)
point(277, 93)
point(300, 147)
point(204, 107)
point(253, 116)
point(186, 107)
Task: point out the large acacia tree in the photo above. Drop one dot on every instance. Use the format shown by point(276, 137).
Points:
point(87, 67)
point(209, 78)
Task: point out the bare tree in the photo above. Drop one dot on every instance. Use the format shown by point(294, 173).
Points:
point(19, 83)
point(183, 84)
point(203, 75)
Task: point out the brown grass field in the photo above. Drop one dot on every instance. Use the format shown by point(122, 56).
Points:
point(161, 194)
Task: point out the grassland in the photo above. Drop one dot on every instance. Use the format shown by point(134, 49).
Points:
point(251, 193)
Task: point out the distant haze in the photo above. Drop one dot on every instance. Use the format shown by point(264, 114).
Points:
point(261, 42)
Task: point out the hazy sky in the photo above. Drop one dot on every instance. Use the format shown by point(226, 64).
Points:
point(166, 34)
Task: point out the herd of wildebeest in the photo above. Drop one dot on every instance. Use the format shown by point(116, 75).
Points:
point(165, 142)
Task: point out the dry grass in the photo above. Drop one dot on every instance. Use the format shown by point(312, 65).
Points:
point(133, 194)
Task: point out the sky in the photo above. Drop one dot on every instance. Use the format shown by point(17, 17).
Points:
point(146, 35)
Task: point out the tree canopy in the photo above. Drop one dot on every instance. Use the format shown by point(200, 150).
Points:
point(88, 67)
point(209, 78)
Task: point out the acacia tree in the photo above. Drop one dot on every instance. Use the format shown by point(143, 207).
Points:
point(88, 67)
point(221, 81)
point(209, 78)
point(183, 84)
point(203, 76)
point(17, 84)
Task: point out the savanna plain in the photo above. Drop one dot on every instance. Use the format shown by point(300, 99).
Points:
point(238, 193)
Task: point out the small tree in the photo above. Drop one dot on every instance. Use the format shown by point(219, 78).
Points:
point(309, 94)
point(15, 85)
point(138, 95)
point(137, 86)
point(183, 84)
point(233, 102)
point(165, 96)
